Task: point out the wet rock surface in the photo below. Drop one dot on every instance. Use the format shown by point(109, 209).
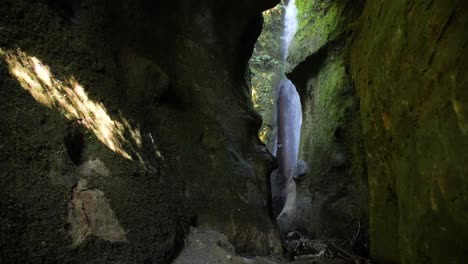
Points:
point(123, 123)
point(158, 91)
point(211, 247)
point(333, 195)
point(207, 246)
point(302, 170)
point(408, 61)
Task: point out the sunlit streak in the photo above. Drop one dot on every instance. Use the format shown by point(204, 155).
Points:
point(70, 98)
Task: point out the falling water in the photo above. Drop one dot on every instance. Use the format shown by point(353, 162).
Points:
point(288, 121)
point(289, 30)
point(287, 95)
point(290, 26)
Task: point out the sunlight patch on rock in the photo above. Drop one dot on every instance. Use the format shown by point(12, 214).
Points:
point(70, 98)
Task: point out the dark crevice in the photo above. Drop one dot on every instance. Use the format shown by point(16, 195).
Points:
point(442, 33)
point(74, 142)
point(171, 98)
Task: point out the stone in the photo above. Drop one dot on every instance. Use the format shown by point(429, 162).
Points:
point(334, 192)
point(90, 213)
point(177, 73)
point(211, 247)
point(302, 170)
point(289, 213)
point(408, 63)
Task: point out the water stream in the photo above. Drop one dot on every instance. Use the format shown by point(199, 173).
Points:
point(290, 26)
point(288, 104)
point(288, 120)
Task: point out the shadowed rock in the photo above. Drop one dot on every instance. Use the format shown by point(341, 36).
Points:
point(302, 170)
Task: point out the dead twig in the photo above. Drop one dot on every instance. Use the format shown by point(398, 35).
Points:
point(347, 255)
point(358, 230)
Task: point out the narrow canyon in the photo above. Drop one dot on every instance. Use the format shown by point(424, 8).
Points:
point(245, 132)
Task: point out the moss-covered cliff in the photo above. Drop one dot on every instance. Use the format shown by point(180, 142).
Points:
point(408, 60)
point(397, 71)
point(333, 197)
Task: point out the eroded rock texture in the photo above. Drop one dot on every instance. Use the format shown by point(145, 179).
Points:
point(408, 60)
point(158, 91)
point(331, 200)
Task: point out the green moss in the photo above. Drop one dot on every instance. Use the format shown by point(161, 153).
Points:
point(318, 17)
point(408, 61)
point(328, 108)
point(331, 140)
point(319, 23)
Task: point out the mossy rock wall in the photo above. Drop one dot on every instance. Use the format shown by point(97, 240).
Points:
point(409, 62)
point(333, 197)
point(123, 122)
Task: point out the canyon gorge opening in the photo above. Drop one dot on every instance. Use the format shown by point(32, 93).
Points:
point(250, 131)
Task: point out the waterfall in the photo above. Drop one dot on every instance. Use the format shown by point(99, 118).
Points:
point(290, 26)
point(288, 111)
point(287, 133)
point(289, 30)
point(289, 122)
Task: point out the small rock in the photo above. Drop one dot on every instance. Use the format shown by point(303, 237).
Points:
point(302, 170)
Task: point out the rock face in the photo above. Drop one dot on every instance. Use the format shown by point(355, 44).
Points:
point(208, 246)
point(158, 91)
point(302, 170)
point(408, 61)
point(332, 200)
point(211, 247)
point(89, 212)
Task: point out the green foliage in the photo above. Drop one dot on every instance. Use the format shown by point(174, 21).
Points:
point(267, 67)
point(264, 62)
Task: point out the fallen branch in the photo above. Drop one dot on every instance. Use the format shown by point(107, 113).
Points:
point(346, 255)
point(353, 241)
